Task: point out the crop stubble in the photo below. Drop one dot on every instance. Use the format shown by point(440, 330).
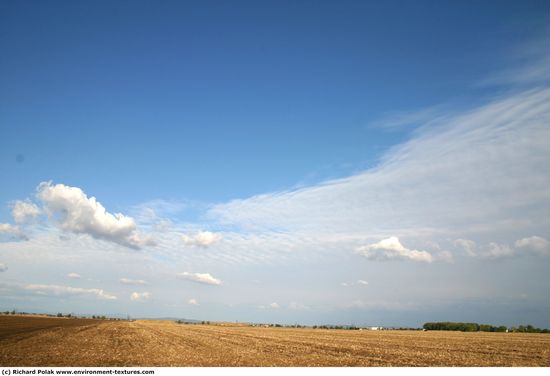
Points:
point(41, 341)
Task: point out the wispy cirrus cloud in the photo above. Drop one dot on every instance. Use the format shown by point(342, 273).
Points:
point(486, 165)
point(527, 64)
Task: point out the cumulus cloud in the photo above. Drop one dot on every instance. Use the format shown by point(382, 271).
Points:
point(535, 244)
point(468, 246)
point(56, 290)
point(75, 212)
point(205, 278)
point(23, 210)
point(13, 231)
point(274, 305)
point(73, 275)
point(201, 239)
point(193, 302)
point(297, 306)
point(128, 281)
point(360, 282)
point(3, 267)
point(495, 251)
point(392, 249)
point(140, 296)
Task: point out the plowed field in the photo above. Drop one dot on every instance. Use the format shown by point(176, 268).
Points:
point(36, 341)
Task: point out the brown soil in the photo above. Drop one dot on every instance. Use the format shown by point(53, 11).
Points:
point(42, 341)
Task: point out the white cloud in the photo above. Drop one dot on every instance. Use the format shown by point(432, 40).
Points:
point(469, 246)
point(495, 251)
point(530, 64)
point(201, 239)
point(75, 212)
point(193, 302)
point(398, 119)
point(73, 275)
point(205, 278)
point(15, 231)
point(535, 244)
point(22, 210)
point(140, 296)
point(274, 305)
point(57, 290)
point(478, 174)
point(128, 281)
point(3, 267)
point(392, 249)
point(297, 306)
point(360, 282)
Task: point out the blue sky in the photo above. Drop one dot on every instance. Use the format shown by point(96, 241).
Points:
point(278, 153)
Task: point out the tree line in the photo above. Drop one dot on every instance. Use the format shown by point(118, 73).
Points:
point(475, 327)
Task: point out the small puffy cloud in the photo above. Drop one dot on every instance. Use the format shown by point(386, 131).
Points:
point(140, 296)
point(73, 275)
point(193, 302)
point(205, 278)
point(392, 249)
point(128, 281)
point(3, 267)
point(15, 231)
point(297, 306)
point(75, 212)
point(531, 245)
point(201, 239)
point(359, 282)
point(22, 210)
point(495, 251)
point(468, 246)
point(443, 255)
point(534, 244)
point(274, 305)
point(55, 290)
